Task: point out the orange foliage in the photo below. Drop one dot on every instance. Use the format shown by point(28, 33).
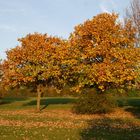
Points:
point(35, 61)
point(104, 52)
point(99, 53)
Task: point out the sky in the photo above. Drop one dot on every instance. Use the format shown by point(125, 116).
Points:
point(55, 17)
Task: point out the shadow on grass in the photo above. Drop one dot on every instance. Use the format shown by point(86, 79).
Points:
point(111, 129)
point(135, 111)
point(135, 102)
point(4, 101)
point(131, 105)
point(49, 101)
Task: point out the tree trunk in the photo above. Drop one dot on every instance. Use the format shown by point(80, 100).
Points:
point(39, 92)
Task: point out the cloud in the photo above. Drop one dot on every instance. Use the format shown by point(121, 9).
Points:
point(104, 9)
point(107, 6)
point(11, 10)
point(113, 3)
point(7, 28)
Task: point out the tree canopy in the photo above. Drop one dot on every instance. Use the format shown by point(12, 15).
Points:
point(100, 53)
point(133, 14)
point(35, 62)
point(104, 52)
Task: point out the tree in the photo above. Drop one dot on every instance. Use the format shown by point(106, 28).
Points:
point(133, 14)
point(35, 62)
point(0, 70)
point(104, 53)
point(1, 73)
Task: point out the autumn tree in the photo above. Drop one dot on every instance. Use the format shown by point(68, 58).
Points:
point(104, 53)
point(35, 62)
point(133, 14)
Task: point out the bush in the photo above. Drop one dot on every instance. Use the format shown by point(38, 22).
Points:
point(92, 103)
point(133, 93)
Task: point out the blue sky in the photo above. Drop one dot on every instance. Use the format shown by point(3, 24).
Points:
point(55, 17)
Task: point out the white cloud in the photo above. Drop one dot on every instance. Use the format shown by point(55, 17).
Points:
point(113, 3)
point(13, 11)
point(104, 9)
point(7, 28)
point(107, 6)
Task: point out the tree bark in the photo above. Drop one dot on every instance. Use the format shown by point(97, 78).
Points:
point(39, 92)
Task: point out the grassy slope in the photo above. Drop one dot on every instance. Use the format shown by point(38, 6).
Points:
point(18, 120)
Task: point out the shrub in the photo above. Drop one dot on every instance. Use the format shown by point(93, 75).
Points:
point(92, 103)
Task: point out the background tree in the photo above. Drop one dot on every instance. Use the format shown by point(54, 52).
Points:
point(104, 52)
point(35, 62)
point(0, 69)
point(1, 73)
point(133, 14)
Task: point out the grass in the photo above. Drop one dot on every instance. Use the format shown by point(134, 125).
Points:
point(110, 129)
point(18, 133)
point(19, 120)
point(30, 103)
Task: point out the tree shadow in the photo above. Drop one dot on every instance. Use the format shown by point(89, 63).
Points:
point(4, 101)
point(49, 101)
point(132, 105)
point(111, 129)
point(115, 129)
point(135, 111)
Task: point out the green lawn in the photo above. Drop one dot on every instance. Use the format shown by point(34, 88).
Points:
point(20, 121)
point(30, 103)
